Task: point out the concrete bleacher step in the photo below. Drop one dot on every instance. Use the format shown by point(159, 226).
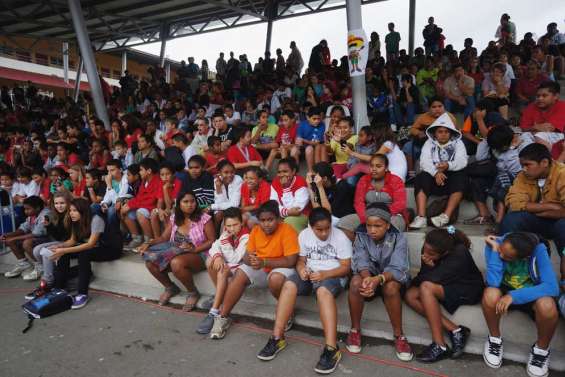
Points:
point(129, 276)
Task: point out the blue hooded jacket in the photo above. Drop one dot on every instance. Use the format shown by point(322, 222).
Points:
point(541, 273)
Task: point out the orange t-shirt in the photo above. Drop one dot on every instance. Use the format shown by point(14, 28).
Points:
point(282, 243)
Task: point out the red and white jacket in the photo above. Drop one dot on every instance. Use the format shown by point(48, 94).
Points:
point(294, 196)
point(232, 250)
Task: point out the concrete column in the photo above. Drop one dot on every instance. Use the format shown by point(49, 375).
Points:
point(411, 26)
point(168, 72)
point(78, 78)
point(355, 21)
point(66, 62)
point(124, 62)
point(89, 61)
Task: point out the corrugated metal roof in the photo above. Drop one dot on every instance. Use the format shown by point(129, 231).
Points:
point(115, 24)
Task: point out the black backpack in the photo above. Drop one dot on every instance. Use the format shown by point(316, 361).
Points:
point(53, 302)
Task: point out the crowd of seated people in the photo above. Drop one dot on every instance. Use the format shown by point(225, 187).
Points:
point(259, 177)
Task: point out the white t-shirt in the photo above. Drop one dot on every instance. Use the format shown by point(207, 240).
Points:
point(324, 255)
point(396, 160)
point(26, 190)
point(188, 153)
point(235, 116)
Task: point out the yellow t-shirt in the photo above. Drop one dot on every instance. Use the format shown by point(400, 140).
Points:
point(340, 156)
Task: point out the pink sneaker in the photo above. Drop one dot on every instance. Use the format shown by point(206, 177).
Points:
point(403, 349)
point(353, 342)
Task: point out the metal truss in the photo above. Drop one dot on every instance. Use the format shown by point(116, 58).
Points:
point(117, 24)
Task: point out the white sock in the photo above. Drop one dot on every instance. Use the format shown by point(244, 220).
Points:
point(215, 312)
point(495, 339)
point(456, 330)
point(540, 351)
point(444, 348)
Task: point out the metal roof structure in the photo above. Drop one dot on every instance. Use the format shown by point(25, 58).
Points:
point(116, 24)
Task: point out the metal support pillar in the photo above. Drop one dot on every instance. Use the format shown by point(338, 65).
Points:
point(78, 78)
point(269, 35)
point(66, 62)
point(164, 34)
point(168, 73)
point(271, 12)
point(89, 61)
point(355, 21)
point(411, 26)
point(124, 62)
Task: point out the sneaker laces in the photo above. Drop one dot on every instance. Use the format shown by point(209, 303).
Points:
point(538, 360)
point(494, 348)
point(271, 346)
point(327, 355)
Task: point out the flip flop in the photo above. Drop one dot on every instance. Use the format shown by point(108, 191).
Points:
point(191, 301)
point(168, 294)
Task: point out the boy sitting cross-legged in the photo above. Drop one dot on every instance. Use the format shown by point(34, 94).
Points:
point(323, 266)
point(270, 259)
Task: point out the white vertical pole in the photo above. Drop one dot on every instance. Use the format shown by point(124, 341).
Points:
point(355, 21)
point(66, 62)
point(78, 78)
point(168, 72)
point(124, 62)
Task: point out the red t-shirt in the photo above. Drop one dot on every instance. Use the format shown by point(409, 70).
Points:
point(528, 88)
point(533, 115)
point(173, 191)
point(44, 190)
point(130, 139)
point(263, 194)
point(241, 155)
point(79, 189)
point(286, 136)
point(147, 195)
point(212, 160)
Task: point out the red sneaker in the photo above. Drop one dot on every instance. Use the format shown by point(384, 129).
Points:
point(353, 342)
point(403, 349)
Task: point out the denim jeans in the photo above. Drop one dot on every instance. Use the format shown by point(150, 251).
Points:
point(453, 106)
point(552, 229)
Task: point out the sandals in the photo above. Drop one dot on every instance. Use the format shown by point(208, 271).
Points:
point(191, 301)
point(168, 294)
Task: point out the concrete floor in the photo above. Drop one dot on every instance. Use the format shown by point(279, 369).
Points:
point(119, 336)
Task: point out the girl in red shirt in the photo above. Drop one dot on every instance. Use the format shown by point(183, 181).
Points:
point(76, 175)
point(254, 192)
point(169, 190)
point(243, 155)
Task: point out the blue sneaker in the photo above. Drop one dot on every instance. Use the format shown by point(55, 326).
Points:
point(79, 301)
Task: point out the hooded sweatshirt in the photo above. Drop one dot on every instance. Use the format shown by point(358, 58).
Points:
point(453, 152)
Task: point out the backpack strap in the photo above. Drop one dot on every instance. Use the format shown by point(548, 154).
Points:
point(30, 320)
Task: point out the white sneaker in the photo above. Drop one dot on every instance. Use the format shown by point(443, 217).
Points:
point(33, 274)
point(418, 223)
point(20, 267)
point(221, 325)
point(440, 220)
point(493, 351)
point(134, 243)
point(538, 362)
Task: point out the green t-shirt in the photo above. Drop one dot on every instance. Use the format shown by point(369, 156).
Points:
point(392, 41)
point(267, 136)
point(517, 274)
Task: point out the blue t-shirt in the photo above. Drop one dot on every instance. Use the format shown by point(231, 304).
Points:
point(309, 133)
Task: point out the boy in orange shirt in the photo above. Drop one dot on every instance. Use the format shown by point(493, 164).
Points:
point(270, 259)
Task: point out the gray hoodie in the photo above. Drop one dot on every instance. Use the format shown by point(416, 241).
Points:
point(389, 255)
point(453, 152)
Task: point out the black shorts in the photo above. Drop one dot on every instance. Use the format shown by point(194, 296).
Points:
point(455, 295)
point(456, 182)
point(527, 308)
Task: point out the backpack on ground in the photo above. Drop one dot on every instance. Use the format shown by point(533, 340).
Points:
point(53, 302)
